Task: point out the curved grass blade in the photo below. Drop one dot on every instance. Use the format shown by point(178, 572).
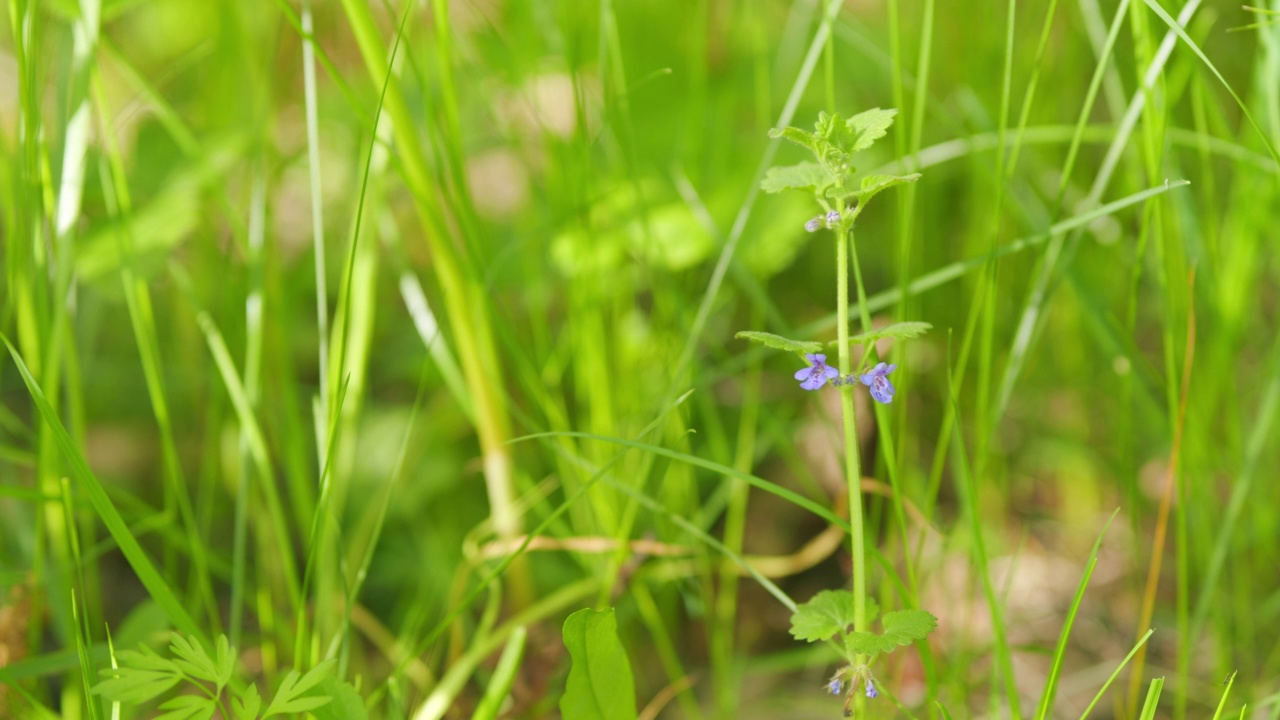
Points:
point(111, 518)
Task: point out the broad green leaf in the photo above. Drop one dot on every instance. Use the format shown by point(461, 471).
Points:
point(901, 627)
point(826, 614)
point(247, 706)
point(131, 685)
point(870, 126)
point(901, 331)
point(288, 698)
point(600, 685)
point(797, 136)
point(346, 701)
point(777, 341)
point(803, 176)
point(188, 707)
point(193, 659)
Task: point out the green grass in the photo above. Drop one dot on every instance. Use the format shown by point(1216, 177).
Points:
point(394, 333)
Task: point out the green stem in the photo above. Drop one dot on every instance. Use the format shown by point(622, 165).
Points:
point(853, 468)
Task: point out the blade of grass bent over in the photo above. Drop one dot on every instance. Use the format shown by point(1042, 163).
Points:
point(119, 529)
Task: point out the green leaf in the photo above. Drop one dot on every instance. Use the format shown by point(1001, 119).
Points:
point(803, 176)
point(901, 331)
point(289, 698)
point(186, 707)
point(131, 685)
point(871, 185)
point(777, 341)
point(226, 662)
point(907, 626)
point(600, 685)
point(826, 614)
point(901, 627)
point(797, 136)
point(247, 706)
point(144, 658)
point(870, 126)
point(347, 703)
point(837, 134)
point(193, 659)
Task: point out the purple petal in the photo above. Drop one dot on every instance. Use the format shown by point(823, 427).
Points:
point(882, 390)
point(818, 359)
point(803, 373)
point(890, 369)
point(879, 370)
point(814, 382)
point(867, 378)
point(832, 372)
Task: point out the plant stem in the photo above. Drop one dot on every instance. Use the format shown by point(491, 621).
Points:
point(853, 469)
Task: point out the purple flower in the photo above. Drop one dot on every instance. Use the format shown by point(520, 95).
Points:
point(881, 389)
point(835, 687)
point(871, 690)
point(833, 218)
point(813, 225)
point(815, 377)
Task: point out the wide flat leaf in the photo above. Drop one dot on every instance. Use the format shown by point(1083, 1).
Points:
point(600, 685)
point(800, 347)
point(870, 126)
point(803, 176)
point(826, 614)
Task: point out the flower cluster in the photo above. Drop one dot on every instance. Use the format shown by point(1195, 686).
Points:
point(829, 221)
point(818, 374)
point(847, 679)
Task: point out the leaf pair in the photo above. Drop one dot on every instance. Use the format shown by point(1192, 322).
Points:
point(831, 613)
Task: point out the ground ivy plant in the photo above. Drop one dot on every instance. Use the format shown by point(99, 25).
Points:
point(840, 615)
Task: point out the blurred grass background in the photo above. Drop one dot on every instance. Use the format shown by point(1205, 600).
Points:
point(297, 304)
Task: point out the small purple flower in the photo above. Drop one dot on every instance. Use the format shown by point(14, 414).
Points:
point(835, 687)
point(818, 375)
point(881, 389)
point(813, 225)
point(833, 219)
point(871, 690)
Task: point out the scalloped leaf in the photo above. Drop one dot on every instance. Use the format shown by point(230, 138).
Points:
point(870, 186)
point(900, 331)
point(836, 132)
point(802, 176)
point(826, 614)
point(901, 627)
point(796, 135)
point(870, 125)
point(799, 347)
